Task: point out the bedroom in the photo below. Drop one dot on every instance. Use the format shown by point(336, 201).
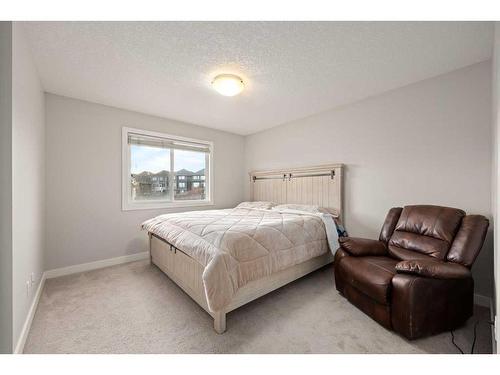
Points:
point(255, 187)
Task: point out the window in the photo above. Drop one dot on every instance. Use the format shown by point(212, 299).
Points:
point(158, 170)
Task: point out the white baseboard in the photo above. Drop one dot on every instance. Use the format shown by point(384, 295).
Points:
point(29, 318)
point(68, 271)
point(95, 265)
point(482, 300)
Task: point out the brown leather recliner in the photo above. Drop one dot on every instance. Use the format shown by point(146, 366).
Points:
point(416, 278)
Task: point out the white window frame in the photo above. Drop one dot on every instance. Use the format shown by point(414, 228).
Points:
point(127, 202)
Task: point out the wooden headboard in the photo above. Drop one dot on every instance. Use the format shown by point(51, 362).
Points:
point(318, 185)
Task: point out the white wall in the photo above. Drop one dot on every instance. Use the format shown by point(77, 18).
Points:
point(28, 177)
point(6, 187)
point(85, 221)
point(428, 142)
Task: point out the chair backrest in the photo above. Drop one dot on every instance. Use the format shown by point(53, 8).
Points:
point(443, 233)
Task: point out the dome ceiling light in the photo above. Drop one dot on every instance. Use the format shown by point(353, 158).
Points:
point(228, 84)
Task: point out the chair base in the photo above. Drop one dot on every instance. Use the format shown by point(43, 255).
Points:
point(417, 307)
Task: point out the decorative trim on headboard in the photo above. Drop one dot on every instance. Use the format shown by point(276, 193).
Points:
point(319, 185)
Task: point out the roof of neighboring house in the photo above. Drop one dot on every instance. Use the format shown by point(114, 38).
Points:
point(184, 172)
point(145, 177)
point(162, 173)
point(145, 173)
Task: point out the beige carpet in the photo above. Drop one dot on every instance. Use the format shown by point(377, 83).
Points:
point(135, 308)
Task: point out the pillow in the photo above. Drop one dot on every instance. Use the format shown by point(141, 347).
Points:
point(258, 204)
point(306, 208)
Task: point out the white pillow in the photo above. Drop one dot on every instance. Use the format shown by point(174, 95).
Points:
point(258, 204)
point(306, 208)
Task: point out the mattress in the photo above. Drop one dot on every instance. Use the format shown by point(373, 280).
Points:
point(239, 245)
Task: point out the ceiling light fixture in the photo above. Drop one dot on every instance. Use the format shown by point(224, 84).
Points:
point(228, 84)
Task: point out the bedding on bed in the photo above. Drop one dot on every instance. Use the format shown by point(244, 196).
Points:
point(257, 204)
point(240, 245)
point(305, 207)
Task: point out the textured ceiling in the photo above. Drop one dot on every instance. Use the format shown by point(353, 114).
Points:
point(291, 69)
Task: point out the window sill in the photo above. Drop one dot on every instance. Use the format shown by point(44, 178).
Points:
point(164, 205)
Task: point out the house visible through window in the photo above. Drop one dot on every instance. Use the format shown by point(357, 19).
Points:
point(161, 170)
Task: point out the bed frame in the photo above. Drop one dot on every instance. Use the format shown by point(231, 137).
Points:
point(320, 185)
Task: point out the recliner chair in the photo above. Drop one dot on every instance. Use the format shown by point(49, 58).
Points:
point(416, 278)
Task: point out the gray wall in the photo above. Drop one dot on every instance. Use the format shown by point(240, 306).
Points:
point(85, 221)
point(428, 142)
point(6, 187)
point(28, 177)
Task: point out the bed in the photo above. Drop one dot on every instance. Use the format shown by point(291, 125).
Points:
point(226, 258)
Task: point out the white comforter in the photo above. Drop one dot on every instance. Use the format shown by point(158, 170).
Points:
point(239, 245)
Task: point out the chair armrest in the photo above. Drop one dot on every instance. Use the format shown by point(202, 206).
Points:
point(362, 246)
point(433, 269)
